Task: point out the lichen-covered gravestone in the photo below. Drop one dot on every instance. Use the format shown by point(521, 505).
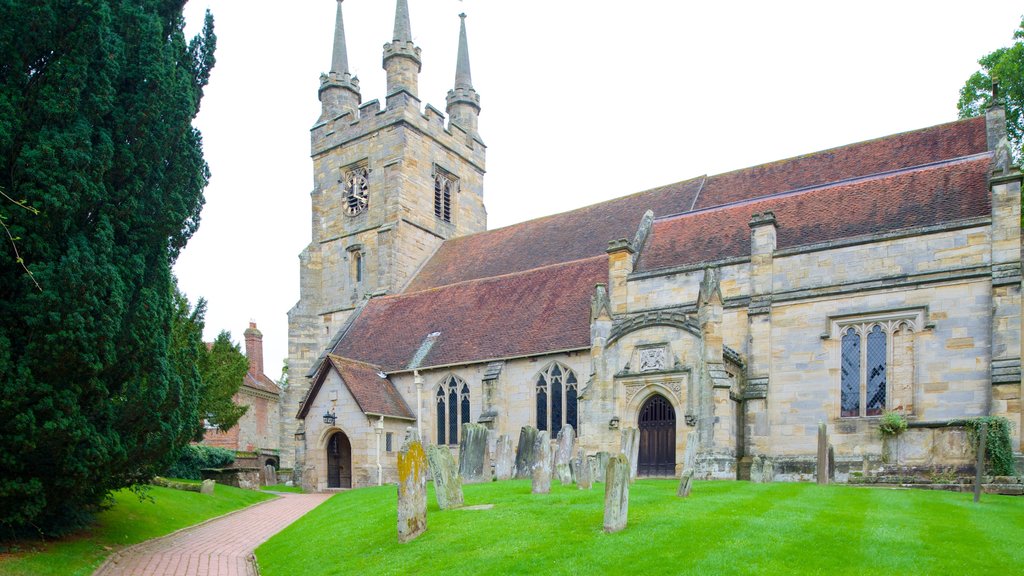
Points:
point(583, 475)
point(207, 487)
point(631, 449)
point(822, 466)
point(269, 475)
point(542, 464)
point(412, 488)
point(447, 484)
point(504, 458)
point(525, 455)
point(474, 463)
point(602, 466)
point(689, 460)
point(566, 438)
point(768, 471)
point(616, 494)
point(756, 469)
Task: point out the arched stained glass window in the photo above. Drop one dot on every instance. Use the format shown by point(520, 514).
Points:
point(876, 355)
point(851, 373)
point(453, 409)
point(556, 399)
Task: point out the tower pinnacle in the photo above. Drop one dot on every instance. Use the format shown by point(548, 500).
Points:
point(401, 57)
point(463, 101)
point(403, 29)
point(339, 90)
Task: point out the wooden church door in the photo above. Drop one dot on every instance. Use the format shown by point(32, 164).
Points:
point(339, 461)
point(657, 438)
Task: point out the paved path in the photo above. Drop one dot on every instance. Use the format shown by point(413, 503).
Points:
point(221, 547)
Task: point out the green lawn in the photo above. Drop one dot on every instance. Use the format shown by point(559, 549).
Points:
point(128, 522)
point(283, 488)
point(723, 528)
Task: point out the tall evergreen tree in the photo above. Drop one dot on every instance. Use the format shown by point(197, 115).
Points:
point(222, 370)
point(97, 99)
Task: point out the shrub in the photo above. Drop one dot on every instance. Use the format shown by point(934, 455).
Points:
point(998, 446)
point(194, 458)
point(892, 424)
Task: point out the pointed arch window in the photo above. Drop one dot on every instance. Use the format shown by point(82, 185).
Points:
point(452, 409)
point(556, 399)
point(445, 186)
point(866, 352)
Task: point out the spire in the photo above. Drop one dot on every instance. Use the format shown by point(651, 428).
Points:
point(339, 64)
point(403, 30)
point(463, 76)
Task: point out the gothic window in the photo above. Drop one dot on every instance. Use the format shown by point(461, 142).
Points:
point(355, 182)
point(358, 257)
point(556, 391)
point(453, 409)
point(866, 351)
point(445, 185)
point(388, 441)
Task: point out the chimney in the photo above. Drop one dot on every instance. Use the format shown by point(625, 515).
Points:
point(254, 349)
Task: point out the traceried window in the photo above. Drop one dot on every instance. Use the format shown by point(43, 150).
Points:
point(866, 350)
point(445, 186)
point(556, 390)
point(452, 409)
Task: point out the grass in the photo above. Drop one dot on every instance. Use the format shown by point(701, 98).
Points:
point(128, 522)
point(283, 488)
point(723, 528)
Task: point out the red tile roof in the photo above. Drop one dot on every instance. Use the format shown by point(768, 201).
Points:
point(565, 237)
point(261, 383)
point(899, 151)
point(373, 394)
point(519, 314)
point(922, 197)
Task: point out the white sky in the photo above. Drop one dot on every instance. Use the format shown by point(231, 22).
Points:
point(583, 100)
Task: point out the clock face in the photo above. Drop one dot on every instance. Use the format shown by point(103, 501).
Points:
point(356, 195)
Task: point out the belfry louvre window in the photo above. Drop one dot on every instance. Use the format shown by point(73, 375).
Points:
point(445, 186)
point(452, 409)
point(556, 390)
point(868, 352)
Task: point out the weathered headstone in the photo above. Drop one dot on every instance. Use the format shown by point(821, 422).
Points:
point(525, 455)
point(504, 458)
point(412, 488)
point(563, 455)
point(685, 483)
point(269, 475)
point(473, 457)
point(822, 466)
point(616, 493)
point(602, 460)
point(582, 465)
point(447, 484)
point(756, 469)
point(768, 471)
point(542, 464)
point(831, 463)
point(207, 487)
point(631, 449)
point(594, 466)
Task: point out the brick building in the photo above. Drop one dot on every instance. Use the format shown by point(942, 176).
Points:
point(746, 307)
point(257, 430)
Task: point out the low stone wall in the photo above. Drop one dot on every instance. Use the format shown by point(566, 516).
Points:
point(247, 478)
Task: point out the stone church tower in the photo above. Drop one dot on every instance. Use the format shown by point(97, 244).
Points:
point(391, 184)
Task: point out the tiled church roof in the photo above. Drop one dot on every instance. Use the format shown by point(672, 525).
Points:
point(923, 197)
point(375, 395)
point(585, 232)
point(519, 314)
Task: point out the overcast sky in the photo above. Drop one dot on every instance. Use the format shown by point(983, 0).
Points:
point(583, 100)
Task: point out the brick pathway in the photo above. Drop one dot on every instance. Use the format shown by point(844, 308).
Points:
point(220, 547)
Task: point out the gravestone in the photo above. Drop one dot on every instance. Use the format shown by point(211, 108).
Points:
point(447, 484)
point(685, 483)
point(412, 488)
point(525, 455)
point(594, 468)
point(631, 449)
point(270, 475)
point(542, 464)
point(756, 469)
point(831, 463)
point(581, 463)
point(473, 458)
point(572, 470)
point(768, 471)
point(616, 494)
point(504, 458)
point(207, 487)
point(822, 466)
point(563, 455)
point(602, 461)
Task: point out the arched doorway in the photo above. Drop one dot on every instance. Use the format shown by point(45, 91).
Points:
point(657, 438)
point(339, 461)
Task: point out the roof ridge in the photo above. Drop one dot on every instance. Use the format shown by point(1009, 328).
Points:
point(495, 277)
point(833, 184)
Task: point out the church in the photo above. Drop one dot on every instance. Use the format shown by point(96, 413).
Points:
point(745, 307)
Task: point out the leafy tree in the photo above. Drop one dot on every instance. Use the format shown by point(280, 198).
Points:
point(97, 99)
point(222, 369)
point(1005, 66)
